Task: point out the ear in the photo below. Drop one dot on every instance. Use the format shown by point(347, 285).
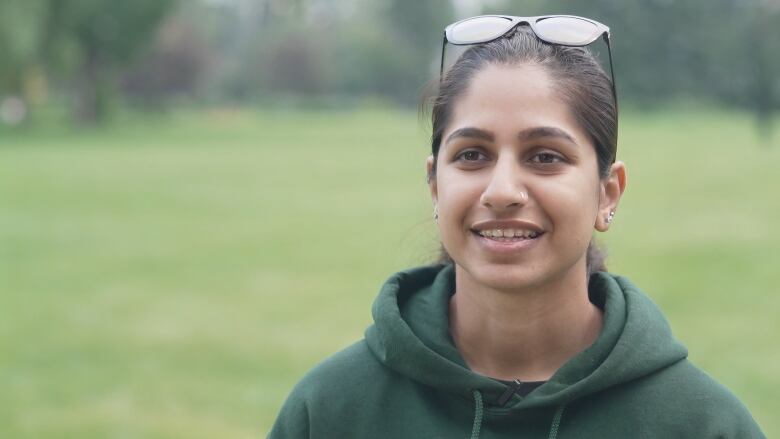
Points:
point(612, 189)
point(430, 172)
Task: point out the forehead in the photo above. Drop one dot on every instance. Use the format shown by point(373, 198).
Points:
point(513, 98)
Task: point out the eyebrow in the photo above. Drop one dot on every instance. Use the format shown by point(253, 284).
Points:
point(524, 135)
point(475, 133)
point(539, 132)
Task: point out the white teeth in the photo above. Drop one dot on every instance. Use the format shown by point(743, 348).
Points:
point(509, 233)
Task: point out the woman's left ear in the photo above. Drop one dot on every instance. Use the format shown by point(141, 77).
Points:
point(430, 177)
point(612, 189)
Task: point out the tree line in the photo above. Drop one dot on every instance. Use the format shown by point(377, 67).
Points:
point(93, 54)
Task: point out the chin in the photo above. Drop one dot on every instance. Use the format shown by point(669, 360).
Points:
point(506, 277)
point(517, 276)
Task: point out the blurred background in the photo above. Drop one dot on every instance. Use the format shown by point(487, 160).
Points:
point(199, 199)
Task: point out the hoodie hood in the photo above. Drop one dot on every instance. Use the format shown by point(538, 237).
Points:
point(410, 335)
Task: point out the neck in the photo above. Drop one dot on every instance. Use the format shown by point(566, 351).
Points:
point(522, 334)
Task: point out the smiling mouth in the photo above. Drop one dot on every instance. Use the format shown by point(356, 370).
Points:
point(508, 235)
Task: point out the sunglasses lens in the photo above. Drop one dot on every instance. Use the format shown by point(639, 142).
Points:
point(571, 31)
point(478, 29)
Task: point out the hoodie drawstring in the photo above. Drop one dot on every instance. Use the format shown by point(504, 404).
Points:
point(556, 423)
point(477, 415)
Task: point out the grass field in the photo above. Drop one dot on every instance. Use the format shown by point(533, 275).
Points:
point(174, 276)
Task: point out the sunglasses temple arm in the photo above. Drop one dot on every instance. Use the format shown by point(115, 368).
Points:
point(441, 67)
point(612, 72)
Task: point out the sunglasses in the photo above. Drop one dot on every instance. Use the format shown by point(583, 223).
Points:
point(563, 30)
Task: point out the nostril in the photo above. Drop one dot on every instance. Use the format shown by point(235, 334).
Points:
point(505, 199)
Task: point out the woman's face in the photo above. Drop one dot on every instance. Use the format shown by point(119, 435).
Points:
point(516, 183)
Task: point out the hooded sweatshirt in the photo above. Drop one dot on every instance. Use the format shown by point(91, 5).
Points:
point(406, 379)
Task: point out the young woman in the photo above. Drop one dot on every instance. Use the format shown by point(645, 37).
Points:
point(520, 332)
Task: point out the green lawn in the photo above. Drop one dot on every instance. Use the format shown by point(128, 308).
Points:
point(175, 276)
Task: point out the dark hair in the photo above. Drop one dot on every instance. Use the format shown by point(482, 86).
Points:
point(577, 76)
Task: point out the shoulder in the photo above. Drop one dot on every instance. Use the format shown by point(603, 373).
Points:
point(688, 382)
point(686, 392)
point(345, 382)
point(349, 368)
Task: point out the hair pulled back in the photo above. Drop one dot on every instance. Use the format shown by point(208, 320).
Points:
point(577, 77)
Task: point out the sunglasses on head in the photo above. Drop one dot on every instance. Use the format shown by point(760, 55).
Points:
point(563, 30)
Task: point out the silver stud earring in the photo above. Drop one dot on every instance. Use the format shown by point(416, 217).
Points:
point(610, 217)
point(436, 213)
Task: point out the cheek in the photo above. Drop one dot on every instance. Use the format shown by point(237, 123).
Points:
point(573, 200)
point(457, 195)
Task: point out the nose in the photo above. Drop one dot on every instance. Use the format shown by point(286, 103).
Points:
point(505, 189)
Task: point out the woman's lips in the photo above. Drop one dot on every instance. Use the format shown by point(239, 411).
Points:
point(505, 244)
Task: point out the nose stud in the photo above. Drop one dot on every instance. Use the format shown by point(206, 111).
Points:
point(515, 199)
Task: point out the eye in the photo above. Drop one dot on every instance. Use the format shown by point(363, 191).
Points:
point(546, 158)
point(471, 156)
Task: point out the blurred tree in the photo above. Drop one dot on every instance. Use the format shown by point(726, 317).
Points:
point(92, 39)
point(295, 64)
point(331, 49)
point(20, 41)
point(719, 51)
point(372, 64)
point(722, 51)
point(273, 48)
point(415, 28)
point(762, 50)
point(174, 65)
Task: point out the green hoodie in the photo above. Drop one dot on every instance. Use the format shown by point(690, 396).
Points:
point(406, 379)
